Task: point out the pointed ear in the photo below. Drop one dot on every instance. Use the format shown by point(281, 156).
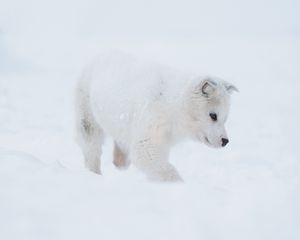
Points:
point(207, 87)
point(230, 87)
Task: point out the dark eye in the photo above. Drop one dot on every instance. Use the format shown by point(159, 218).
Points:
point(213, 116)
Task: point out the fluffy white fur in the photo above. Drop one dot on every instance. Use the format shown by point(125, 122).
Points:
point(146, 108)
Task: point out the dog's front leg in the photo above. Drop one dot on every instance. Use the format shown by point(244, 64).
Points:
point(151, 156)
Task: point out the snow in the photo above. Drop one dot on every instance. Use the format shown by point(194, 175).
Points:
point(248, 190)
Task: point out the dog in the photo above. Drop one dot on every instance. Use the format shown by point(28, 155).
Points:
point(146, 108)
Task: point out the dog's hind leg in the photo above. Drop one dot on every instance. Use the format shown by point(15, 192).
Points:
point(90, 136)
point(120, 157)
point(91, 144)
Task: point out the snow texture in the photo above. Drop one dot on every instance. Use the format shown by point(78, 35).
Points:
point(248, 190)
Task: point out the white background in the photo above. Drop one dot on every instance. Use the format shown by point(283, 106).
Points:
point(248, 190)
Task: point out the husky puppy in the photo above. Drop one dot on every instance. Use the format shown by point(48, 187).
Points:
point(147, 108)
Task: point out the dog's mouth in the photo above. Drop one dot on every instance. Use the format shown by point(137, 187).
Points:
point(207, 141)
point(209, 144)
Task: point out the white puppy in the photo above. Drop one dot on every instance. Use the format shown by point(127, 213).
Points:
point(147, 108)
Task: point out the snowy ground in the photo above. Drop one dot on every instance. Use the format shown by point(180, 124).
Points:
point(248, 190)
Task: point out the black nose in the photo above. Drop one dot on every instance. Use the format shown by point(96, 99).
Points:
point(224, 142)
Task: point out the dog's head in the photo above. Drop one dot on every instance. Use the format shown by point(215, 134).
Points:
point(208, 108)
